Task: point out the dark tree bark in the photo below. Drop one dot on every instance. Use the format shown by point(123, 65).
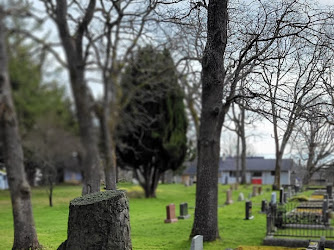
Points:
point(76, 60)
point(243, 145)
point(99, 221)
point(25, 236)
point(212, 118)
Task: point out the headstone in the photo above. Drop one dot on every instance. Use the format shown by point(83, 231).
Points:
point(250, 196)
point(184, 211)
point(285, 197)
point(325, 206)
point(170, 214)
point(229, 197)
point(254, 191)
point(241, 197)
point(330, 190)
point(260, 190)
point(264, 206)
point(273, 198)
point(248, 208)
point(197, 243)
point(99, 221)
point(281, 191)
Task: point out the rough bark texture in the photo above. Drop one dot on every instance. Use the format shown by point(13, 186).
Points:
point(25, 236)
point(99, 221)
point(243, 147)
point(212, 118)
point(83, 101)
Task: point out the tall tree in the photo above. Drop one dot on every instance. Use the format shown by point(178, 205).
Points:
point(119, 21)
point(25, 236)
point(152, 131)
point(76, 62)
point(232, 52)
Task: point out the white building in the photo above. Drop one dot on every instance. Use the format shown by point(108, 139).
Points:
point(258, 170)
point(3, 180)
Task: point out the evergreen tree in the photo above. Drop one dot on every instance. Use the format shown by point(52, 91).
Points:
point(151, 136)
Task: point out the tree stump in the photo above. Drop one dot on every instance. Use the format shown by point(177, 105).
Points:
point(99, 221)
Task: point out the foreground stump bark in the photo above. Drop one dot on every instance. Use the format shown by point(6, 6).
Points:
point(99, 221)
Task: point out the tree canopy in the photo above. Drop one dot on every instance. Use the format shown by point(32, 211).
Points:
point(152, 130)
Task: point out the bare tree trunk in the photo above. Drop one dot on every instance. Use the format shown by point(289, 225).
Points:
point(108, 150)
point(243, 146)
point(50, 191)
point(212, 118)
point(83, 101)
point(238, 156)
point(25, 236)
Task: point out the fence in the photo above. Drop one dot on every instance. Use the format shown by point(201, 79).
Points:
point(311, 219)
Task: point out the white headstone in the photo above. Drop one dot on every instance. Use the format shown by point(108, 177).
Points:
point(197, 243)
point(273, 198)
point(241, 197)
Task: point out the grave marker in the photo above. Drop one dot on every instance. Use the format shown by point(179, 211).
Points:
point(260, 190)
point(281, 191)
point(170, 214)
point(197, 243)
point(248, 207)
point(241, 197)
point(264, 206)
point(184, 211)
point(229, 197)
point(254, 191)
point(273, 198)
point(329, 189)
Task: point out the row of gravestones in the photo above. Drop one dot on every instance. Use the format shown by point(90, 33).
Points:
point(197, 241)
point(171, 217)
point(257, 190)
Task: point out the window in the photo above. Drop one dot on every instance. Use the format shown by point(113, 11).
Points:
point(272, 173)
point(257, 174)
point(234, 173)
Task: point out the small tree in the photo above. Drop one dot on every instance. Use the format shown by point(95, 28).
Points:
point(152, 132)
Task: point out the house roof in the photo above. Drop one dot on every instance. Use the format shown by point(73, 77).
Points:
point(252, 164)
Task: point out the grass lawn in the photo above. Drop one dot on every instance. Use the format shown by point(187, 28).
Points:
point(148, 230)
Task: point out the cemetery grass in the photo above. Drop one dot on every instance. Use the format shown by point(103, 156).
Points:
point(148, 230)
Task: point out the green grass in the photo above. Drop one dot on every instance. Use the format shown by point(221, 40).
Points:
point(148, 230)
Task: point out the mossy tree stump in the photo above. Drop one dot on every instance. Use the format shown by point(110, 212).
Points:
point(99, 221)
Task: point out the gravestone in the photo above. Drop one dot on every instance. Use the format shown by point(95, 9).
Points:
point(264, 206)
point(184, 211)
point(99, 221)
point(273, 198)
point(248, 209)
point(285, 197)
point(254, 193)
point(241, 197)
point(228, 197)
point(325, 214)
point(170, 209)
point(197, 243)
point(281, 191)
point(250, 196)
point(329, 189)
point(260, 190)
